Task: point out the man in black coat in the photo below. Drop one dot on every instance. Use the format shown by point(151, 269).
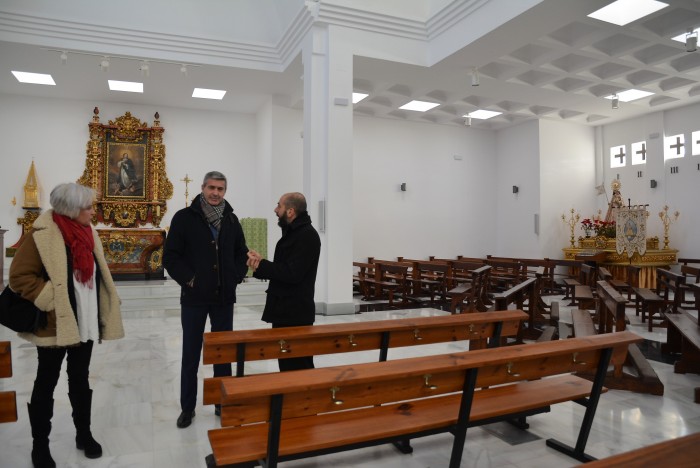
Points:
point(205, 252)
point(292, 273)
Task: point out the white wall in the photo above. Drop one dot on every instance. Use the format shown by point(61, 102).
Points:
point(567, 180)
point(54, 132)
point(518, 164)
point(679, 191)
point(448, 208)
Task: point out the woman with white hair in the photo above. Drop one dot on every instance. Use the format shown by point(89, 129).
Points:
point(60, 266)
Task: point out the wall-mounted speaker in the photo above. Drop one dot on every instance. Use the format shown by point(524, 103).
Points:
point(403, 186)
point(652, 182)
point(515, 189)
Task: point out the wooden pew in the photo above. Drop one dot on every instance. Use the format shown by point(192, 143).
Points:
point(522, 295)
point(584, 296)
point(680, 452)
point(469, 296)
point(692, 275)
point(8, 399)
point(683, 337)
point(668, 282)
point(430, 278)
point(241, 346)
point(364, 272)
point(391, 280)
point(293, 415)
point(636, 374)
point(569, 278)
point(505, 274)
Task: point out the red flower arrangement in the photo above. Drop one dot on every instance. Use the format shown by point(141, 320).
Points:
point(601, 228)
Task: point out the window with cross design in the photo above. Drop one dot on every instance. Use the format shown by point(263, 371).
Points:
point(639, 153)
point(618, 156)
point(674, 146)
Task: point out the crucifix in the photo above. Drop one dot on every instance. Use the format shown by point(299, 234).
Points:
point(187, 181)
point(621, 155)
point(678, 145)
point(643, 152)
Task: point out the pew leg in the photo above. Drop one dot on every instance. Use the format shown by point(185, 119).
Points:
point(403, 446)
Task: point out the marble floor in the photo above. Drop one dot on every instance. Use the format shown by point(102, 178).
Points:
point(136, 394)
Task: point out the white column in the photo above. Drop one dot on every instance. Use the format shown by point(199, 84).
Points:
point(328, 161)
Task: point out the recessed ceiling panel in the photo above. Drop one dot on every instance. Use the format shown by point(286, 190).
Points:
point(572, 34)
point(498, 70)
point(657, 53)
point(532, 54)
point(573, 62)
point(642, 77)
point(686, 62)
point(672, 22)
point(535, 77)
point(571, 84)
point(675, 83)
point(610, 70)
point(616, 45)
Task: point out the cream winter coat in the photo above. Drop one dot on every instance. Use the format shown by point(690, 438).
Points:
point(44, 249)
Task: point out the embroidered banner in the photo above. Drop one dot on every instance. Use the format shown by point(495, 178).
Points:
point(631, 230)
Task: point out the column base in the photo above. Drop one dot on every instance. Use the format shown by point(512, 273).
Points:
point(323, 308)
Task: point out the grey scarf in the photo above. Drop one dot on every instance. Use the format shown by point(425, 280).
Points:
point(214, 214)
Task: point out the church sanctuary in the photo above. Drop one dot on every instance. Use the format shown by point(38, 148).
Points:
point(507, 195)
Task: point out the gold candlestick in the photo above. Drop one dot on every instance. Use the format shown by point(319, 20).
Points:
point(572, 224)
point(667, 220)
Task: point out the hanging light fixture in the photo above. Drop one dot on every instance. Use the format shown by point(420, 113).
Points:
point(183, 69)
point(104, 63)
point(468, 120)
point(691, 41)
point(144, 68)
point(64, 58)
point(475, 77)
point(615, 101)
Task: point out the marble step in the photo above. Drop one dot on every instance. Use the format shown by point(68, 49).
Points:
point(165, 294)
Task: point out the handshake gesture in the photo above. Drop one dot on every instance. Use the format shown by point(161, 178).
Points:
point(254, 259)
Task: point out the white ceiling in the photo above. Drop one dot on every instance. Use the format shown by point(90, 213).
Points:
point(551, 62)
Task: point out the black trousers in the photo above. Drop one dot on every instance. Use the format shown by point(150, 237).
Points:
point(298, 363)
point(194, 319)
point(49, 369)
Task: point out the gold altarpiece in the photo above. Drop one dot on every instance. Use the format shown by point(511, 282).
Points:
point(125, 165)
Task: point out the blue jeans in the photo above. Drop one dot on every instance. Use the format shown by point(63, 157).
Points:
point(193, 320)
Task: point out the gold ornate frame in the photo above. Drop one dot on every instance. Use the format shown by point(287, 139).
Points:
point(125, 164)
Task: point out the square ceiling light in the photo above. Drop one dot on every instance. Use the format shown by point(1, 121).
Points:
point(357, 97)
point(482, 114)
point(419, 106)
point(34, 78)
point(126, 86)
point(623, 12)
point(204, 93)
point(630, 95)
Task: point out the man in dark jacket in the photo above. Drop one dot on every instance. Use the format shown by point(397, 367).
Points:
point(205, 252)
point(292, 273)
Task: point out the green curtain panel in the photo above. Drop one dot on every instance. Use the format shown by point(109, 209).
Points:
point(255, 230)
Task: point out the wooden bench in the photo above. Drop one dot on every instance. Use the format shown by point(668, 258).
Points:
point(241, 346)
point(469, 296)
point(293, 415)
point(683, 337)
point(430, 278)
point(669, 282)
point(680, 452)
point(584, 297)
point(505, 274)
point(636, 374)
point(524, 296)
point(567, 279)
point(692, 275)
point(8, 399)
point(390, 281)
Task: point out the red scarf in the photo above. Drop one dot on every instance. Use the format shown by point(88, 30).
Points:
point(81, 243)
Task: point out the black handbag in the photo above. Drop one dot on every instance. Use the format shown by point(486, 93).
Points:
point(19, 314)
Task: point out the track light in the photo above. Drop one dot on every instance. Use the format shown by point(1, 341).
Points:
point(144, 68)
point(104, 64)
point(615, 101)
point(468, 121)
point(475, 77)
point(183, 69)
point(64, 58)
point(691, 41)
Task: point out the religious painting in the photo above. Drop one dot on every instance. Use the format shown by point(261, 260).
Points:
point(125, 172)
point(125, 165)
point(631, 230)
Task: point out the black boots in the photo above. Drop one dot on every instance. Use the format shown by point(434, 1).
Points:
point(40, 414)
point(82, 407)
